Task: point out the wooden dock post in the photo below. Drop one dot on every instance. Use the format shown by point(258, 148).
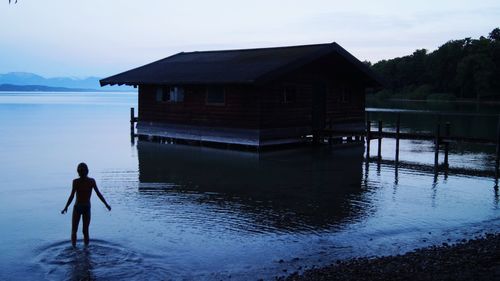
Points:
point(497, 162)
point(436, 143)
point(379, 153)
point(368, 134)
point(132, 120)
point(398, 126)
point(447, 132)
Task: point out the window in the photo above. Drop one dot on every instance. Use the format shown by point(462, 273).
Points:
point(176, 94)
point(289, 94)
point(170, 94)
point(216, 95)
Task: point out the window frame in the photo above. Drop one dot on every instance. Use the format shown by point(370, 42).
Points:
point(166, 91)
point(182, 93)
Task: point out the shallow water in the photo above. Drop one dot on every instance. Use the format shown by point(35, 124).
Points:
point(182, 212)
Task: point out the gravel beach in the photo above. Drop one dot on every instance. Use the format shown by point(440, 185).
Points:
point(475, 259)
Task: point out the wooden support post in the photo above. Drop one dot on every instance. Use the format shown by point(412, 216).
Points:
point(132, 132)
point(368, 135)
point(379, 153)
point(132, 120)
point(497, 162)
point(436, 143)
point(398, 126)
point(447, 132)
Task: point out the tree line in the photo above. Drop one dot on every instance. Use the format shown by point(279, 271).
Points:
point(464, 69)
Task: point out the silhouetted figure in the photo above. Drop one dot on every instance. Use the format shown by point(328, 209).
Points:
point(82, 186)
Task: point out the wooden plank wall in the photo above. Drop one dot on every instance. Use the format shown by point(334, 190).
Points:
point(345, 90)
point(345, 102)
point(277, 114)
point(241, 108)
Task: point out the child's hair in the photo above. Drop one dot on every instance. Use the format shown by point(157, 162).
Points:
point(82, 170)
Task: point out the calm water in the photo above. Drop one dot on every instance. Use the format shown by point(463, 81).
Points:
point(182, 212)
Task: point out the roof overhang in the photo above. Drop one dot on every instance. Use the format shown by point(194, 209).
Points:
point(144, 75)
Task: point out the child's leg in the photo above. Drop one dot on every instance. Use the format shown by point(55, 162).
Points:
point(74, 227)
point(86, 224)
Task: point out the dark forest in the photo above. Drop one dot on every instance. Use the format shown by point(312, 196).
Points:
point(460, 69)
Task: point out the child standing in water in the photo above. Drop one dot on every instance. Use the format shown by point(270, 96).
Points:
point(82, 186)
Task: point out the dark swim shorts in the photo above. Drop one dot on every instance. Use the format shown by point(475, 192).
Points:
point(82, 209)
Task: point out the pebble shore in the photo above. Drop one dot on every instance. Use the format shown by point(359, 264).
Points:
point(475, 259)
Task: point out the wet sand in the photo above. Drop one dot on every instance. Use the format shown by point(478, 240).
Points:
point(475, 259)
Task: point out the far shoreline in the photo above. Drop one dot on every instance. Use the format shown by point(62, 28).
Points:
point(50, 89)
point(457, 101)
point(62, 92)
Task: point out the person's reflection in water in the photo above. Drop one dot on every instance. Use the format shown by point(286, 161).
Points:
point(82, 186)
point(81, 266)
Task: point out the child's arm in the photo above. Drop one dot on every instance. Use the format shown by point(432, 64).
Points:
point(101, 197)
point(70, 199)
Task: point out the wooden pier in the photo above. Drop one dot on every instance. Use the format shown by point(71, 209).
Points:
point(438, 137)
point(441, 136)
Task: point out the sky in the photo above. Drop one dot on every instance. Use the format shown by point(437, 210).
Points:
point(101, 38)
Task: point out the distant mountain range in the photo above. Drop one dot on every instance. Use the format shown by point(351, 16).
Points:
point(39, 88)
point(25, 81)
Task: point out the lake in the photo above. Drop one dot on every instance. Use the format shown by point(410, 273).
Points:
point(186, 212)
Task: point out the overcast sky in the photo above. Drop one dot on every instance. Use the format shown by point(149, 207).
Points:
point(101, 38)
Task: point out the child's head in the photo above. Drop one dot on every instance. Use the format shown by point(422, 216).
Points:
point(82, 170)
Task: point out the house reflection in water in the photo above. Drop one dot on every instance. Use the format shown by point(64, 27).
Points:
point(306, 189)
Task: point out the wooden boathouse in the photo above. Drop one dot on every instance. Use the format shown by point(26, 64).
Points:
point(251, 97)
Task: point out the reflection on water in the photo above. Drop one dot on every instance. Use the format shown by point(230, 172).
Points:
point(296, 190)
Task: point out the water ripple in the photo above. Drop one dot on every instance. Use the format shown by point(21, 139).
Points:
point(100, 260)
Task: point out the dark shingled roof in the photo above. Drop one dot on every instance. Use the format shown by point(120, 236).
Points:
point(232, 66)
